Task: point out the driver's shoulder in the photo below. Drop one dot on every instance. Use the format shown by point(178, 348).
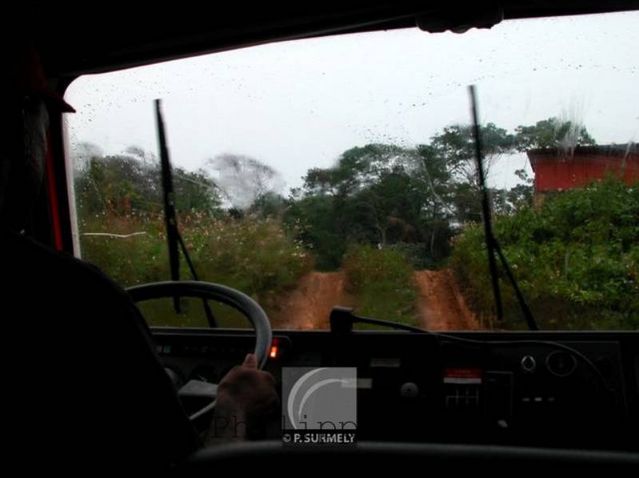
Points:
point(27, 261)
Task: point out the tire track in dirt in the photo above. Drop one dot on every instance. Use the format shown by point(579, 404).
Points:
point(440, 304)
point(309, 305)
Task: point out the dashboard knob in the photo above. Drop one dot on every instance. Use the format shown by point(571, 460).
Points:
point(409, 390)
point(561, 363)
point(528, 364)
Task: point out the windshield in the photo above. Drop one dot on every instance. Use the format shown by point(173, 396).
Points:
point(341, 171)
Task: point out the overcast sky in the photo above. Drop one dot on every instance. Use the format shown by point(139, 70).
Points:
point(300, 104)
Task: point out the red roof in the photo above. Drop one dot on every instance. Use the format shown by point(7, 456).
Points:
point(557, 170)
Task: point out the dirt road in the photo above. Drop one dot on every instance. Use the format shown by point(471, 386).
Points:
point(309, 305)
point(441, 306)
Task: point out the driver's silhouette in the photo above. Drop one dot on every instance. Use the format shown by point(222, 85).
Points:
point(85, 388)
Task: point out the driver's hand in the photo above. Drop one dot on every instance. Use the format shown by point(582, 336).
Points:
point(246, 400)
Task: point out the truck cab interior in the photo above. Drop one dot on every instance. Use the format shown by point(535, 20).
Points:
point(496, 397)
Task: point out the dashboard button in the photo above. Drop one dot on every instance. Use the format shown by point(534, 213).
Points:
point(409, 390)
point(528, 364)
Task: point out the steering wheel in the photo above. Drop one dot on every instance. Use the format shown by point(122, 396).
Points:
point(220, 293)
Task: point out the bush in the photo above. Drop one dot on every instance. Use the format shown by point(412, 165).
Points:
point(417, 254)
point(131, 249)
point(254, 256)
point(382, 281)
point(576, 260)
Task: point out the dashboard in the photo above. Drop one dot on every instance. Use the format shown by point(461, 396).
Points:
point(551, 389)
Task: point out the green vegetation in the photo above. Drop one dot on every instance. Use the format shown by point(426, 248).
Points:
point(379, 213)
point(385, 195)
point(382, 280)
point(552, 133)
point(255, 256)
point(576, 259)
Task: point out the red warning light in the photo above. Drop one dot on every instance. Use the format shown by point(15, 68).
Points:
point(274, 351)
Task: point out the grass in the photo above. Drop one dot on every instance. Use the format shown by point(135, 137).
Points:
point(253, 255)
point(381, 280)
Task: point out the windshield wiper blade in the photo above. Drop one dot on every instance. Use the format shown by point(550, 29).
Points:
point(491, 241)
point(168, 196)
point(342, 320)
point(521, 300)
point(485, 206)
point(173, 236)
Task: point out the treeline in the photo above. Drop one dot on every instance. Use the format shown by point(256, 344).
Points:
point(412, 199)
point(130, 182)
point(381, 211)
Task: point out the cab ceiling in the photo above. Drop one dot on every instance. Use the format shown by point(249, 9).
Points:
point(90, 37)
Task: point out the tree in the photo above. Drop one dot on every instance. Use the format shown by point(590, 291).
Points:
point(81, 155)
point(390, 207)
point(242, 179)
point(362, 199)
point(552, 133)
point(456, 151)
point(456, 144)
point(521, 195)
point(311, 219)
point(269, 204)
point(195, 191)
point(378, 194)
point(368, 186)
point(356, 169)
point(130, 182)
point(433, 175)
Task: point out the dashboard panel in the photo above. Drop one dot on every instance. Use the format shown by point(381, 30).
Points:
point(551, 389)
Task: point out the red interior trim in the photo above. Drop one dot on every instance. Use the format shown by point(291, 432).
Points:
point(52, 193)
